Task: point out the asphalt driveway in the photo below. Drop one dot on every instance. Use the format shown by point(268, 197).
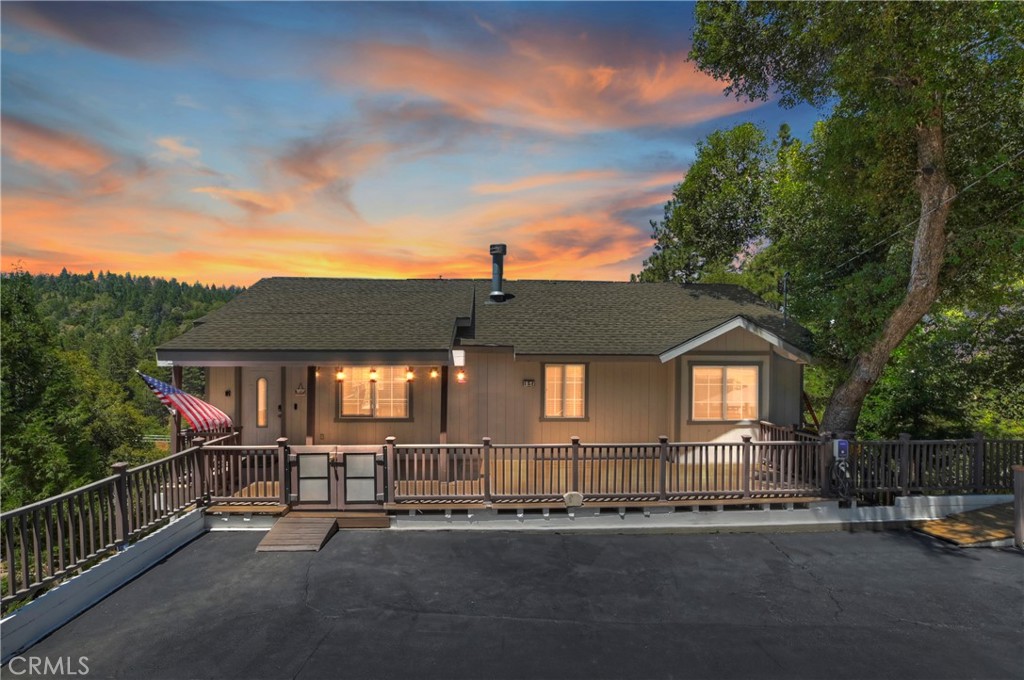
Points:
point(378, 604)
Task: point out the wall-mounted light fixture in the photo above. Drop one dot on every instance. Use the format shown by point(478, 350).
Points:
point(340, 375)
point(409, 374)
point(460, 376)
point(300, 390)
point(433, 373)
point(373, 375)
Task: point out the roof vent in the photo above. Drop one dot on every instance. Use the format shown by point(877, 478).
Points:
point(498, 251)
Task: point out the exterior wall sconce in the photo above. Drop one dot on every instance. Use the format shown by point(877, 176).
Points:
point(409, 374)
point(300, 390)
point(460, 376)
point(373, 375)
point(340, 375)
point(433, 373)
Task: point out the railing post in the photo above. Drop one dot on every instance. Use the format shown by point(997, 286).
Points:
point(121, 528)
point(282, 469)
point(824, 461)
point(390, 471)
point(904, 483)
point(979, 462)
point(487, 469)
point(1018, 505)
point(662, 467)
point(747, 449)
point(575, 462)
point(199, 477)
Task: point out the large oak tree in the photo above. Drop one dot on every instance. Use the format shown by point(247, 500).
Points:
point(910, 190)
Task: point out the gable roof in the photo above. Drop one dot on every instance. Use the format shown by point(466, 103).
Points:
point(615, 318)
point(342, 319)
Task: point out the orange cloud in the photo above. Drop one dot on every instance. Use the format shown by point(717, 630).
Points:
point(174, 148)
point(52, 150)
point(253, 202)
point(545, 84)
point(543, 180)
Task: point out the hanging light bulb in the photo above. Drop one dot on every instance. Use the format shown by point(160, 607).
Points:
point(373, 375)
point(409, 374)
point(340, 375)
point(433, 373)
point(460, 376)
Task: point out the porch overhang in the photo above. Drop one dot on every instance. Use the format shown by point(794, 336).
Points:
point(182, 357)
point(779, 345)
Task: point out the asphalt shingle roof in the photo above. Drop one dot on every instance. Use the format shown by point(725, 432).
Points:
point(541, 317)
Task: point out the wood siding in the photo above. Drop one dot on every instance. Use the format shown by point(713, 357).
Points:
point(628, 399)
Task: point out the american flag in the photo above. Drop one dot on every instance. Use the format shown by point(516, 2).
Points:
point(201, 416)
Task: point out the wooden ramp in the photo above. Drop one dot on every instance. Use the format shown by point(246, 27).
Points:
point(298, 533)
point(984, 525)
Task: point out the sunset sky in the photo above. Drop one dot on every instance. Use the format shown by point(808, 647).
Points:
point(227, 142)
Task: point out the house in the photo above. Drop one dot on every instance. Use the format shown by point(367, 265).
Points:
point(353, 361)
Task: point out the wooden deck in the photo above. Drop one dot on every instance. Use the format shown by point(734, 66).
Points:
point(975, 526)
point(298, 534)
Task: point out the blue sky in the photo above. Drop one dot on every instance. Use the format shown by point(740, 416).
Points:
point(226, 142)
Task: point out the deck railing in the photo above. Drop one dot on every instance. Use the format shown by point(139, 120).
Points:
point(662, 471)
point(245, 474)
point(49, 540)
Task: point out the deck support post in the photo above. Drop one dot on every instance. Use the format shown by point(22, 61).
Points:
point(979, 462)
point(202, 474)
point(175, 445)
point(487, 469)
point(575, 462)
point(662, 467)
point(282, 470)
point(904, 481)
point(824, 462)
point(746, 467)
point(390, 473)
point(121, 528)
point(442, 437)
point(1018, 505)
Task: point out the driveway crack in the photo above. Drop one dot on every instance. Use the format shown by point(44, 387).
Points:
point(822, 583)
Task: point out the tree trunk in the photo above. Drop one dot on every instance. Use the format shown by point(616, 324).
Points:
point(937, 193)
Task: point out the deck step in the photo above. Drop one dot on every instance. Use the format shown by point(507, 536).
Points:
point(298, 533)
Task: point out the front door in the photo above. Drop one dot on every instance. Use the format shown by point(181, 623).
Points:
point(337, 477)
point(262, 410)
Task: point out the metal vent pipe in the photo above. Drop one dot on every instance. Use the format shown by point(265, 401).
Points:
point(498, 251)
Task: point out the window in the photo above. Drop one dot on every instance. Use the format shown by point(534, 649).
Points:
point(565, 390)
point(385, 397)
point(725, 392)
point(261, 402)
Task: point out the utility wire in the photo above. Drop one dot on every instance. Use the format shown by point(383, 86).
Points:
point(925, 214)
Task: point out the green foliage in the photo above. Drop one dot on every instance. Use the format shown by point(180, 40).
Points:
point(71, 402)
point(839, 211)
point(715, 212)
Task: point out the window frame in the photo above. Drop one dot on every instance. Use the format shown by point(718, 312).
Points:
point(264, 401)
point(725, 366)
point(339, 400)
point(544, 391)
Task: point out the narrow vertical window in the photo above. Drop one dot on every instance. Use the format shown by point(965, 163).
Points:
point(261, 402)
point(565, 391)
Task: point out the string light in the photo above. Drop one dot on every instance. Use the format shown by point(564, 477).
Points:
point(340, 375)
point(409, 374)
point(433, 373)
